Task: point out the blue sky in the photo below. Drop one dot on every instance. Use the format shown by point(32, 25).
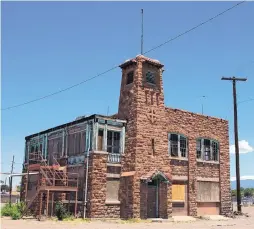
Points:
point(47, 46)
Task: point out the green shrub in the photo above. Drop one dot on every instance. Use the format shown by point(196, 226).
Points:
point(21, 207)
point(15, 214)
point(13, 210)
point(60, 211)
point(7, 210)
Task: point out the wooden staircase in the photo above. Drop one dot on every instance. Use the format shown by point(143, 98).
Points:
point(51, 179)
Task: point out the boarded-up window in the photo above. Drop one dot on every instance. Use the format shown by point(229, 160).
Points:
point(178, 192)
point(112, 189)
point(208, 191)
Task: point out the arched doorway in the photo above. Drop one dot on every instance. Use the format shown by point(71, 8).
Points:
point(154, 200)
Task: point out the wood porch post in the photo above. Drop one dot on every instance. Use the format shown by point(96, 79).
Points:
point(52, 204)
point(47, 206)
point(76, 203)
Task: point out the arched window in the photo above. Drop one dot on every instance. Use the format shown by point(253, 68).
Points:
point(207, 149)
point(178, 145)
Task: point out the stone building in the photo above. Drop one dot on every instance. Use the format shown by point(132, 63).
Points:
point(146, 161)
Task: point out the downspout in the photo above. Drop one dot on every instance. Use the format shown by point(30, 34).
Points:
point(27, 162)
point(66, 141)
point(87, 164)
point(63, 137)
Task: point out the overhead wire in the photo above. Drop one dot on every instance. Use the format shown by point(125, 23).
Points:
point(113, 68)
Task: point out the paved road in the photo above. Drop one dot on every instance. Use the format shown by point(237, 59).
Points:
point(238, 223)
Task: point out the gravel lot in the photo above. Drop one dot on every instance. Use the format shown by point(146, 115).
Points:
point(239, 223)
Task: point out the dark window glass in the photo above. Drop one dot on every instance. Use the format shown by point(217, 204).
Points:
point(113, 142)
point(174, 145)
point(199, 148)
point(215, 153)
point(183, 146)
point(207, 150)
point(130, 77)
point(150, 77)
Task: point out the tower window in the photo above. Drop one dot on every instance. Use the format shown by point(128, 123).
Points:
point(130, 77)
point(150, 77)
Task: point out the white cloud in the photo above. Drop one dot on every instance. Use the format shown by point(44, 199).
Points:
point(244, 147)
point(243, 178)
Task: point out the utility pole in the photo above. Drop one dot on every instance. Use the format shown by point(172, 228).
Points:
point(10, 179)
point(237, 164)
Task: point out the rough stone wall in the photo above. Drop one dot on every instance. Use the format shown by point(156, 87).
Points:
point(112, 211)
point(225, 174)
point(137, 101)
point(208, 170)
point(179, 167)
point(141, 130)
point(97, 181)
point(194, 126)
point(163, 205)
point(143, 200)
point(126, 197)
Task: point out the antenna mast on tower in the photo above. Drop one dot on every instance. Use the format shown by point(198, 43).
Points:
point(142, 32)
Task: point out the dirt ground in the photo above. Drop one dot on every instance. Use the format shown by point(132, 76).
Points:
point(242, 222)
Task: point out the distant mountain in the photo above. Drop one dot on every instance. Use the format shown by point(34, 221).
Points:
point(244, 184)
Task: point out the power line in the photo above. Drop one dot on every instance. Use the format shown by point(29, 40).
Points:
point(111, 69)
point(245, 101)
point(60, 91)
point(195, 27)
point(10, 163)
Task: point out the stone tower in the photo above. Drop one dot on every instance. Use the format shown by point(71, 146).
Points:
point(146, 153)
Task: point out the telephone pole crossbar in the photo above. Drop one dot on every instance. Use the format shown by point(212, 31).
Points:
point(238, 186)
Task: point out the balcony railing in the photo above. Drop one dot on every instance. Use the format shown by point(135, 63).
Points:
point(114, 158)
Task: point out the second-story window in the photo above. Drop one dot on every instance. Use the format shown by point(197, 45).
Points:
point(100, 140)
point(76, 143)
point(207, 150)
point(178, 145)
point(113, 141)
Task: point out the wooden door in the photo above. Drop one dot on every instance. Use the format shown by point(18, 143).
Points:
point(151, 201)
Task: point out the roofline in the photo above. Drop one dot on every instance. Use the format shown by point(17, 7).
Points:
point(144, 58)
point(194, 113)
point(94, 116)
